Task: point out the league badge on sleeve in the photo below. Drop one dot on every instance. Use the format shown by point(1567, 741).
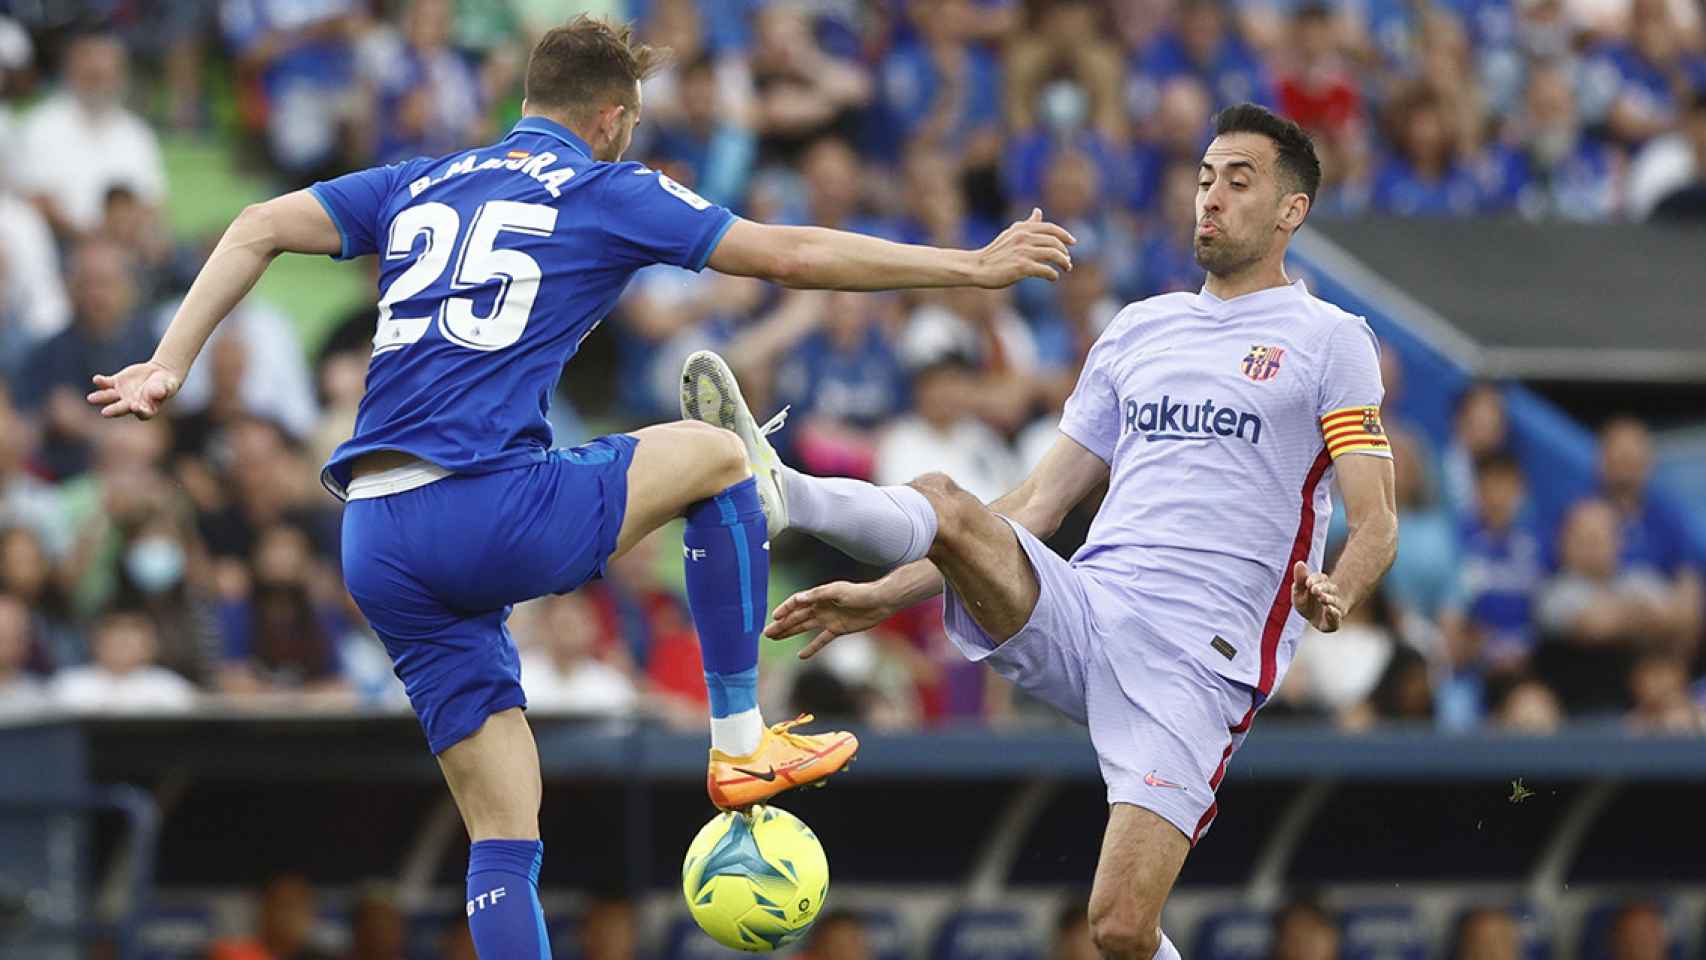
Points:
point(1262, 363)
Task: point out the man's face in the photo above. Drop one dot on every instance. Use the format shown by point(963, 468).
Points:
point(101, 286)
point(95, 71)
point(1238, 203)
point(1625, 458)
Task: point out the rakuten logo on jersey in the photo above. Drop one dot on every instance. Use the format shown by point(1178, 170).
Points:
point(1169, 419)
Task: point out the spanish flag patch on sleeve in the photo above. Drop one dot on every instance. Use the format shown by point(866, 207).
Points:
point(1355, 430)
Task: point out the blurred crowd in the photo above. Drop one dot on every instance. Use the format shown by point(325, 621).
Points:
point(290, 922)
point(193, 560)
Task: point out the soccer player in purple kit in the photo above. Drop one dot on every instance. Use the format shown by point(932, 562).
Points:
point(1215, 418)
point(496, 262)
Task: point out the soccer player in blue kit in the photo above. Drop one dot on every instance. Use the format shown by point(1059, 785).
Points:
point(495, 263)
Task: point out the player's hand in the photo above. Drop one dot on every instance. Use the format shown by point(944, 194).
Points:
point(1029, 248)
point(833, 610)
point(1316, 597)
point(138, 390)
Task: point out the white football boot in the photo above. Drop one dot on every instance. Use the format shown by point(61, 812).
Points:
point(710, 394)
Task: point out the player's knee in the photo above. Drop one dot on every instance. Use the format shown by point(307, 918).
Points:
point(1120, 938)
point(722, 457)
point(956, 509)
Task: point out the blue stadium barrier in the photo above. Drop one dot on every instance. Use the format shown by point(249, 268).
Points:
point(1237, 934)
point(986, 934)
point(181, 932)
point(1383, 932)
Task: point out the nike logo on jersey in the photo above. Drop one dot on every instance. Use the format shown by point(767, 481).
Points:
point(1169, 419)
point(1155, 781)
point(767, 776)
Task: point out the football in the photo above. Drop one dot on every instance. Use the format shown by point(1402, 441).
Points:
point(755, 880)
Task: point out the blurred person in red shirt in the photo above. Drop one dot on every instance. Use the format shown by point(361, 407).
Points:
point(284, 928)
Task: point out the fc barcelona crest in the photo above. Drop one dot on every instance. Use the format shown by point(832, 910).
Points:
point(1263, 363)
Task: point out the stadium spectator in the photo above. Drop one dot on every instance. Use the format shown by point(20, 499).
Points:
point(1487, 933)
point(561, 670)
point(160, 574)
point(1073, 192)
point(1403, 695)
point(165, 268)
point(1687, 201)
point(376, 928)
point(427, 99)
point(284, 926)
point(1422, 575)
point(1332, 673)
point(838, 935)
point(260, 371)
point(1063, 95)
point(802, 92)
point(1169, 262)
point(1672, 163)
point(279, 632)
point(982, 327)
point(105, 504)
point(296, 72)
point(28, 574)
point(1639, 932)
point(1635, 89)
point(1201, 43)
point(1528, 706)
point(122, 677)
point(845, 383)
point(1595, 614)
point(82, 141)
point(944, 433)
point(105, 330)
point(1487, 622)
point(609, 929)
point(1553, 169)
point(1072, 939)
point(1319, 87)
point(1176, 134)
point(1653, 535)
point(1423, 176)
point(24, 499)
point(1304, 930)
point(21, 694)
point(1658, 687)
point(936, 86)
point(701, 145)
point(1479, 428)
point(33, 302)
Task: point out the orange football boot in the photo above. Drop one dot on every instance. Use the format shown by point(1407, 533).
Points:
point(784, 760)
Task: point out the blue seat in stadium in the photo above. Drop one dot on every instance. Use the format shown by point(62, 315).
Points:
point(177, 932)
point(1238, 934)
point(1596, 931)
point(1383, 932)
point(986, 934)
point(885, 934)
point(685, 941)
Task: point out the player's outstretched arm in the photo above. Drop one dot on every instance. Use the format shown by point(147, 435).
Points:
point(293, 223)
point(1064, 477)
point(820, 258)
point(1372, 515)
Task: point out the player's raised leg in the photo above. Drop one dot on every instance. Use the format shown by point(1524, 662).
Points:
point(1141, 857)
point(693, 470)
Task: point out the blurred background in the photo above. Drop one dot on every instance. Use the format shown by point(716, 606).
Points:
point(203, 753)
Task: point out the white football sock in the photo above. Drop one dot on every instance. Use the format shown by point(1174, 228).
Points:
point(882, 526)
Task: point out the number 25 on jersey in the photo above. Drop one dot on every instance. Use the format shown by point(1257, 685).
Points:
point(479, 262)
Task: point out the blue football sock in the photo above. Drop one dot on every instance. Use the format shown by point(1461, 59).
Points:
point(727, 559)
point(503, 900)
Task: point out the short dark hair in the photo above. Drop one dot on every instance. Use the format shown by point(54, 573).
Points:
point(1297, 159)
point(586, 62)
point(1499, 461)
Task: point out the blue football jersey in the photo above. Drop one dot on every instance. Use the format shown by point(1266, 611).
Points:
point(495, 263)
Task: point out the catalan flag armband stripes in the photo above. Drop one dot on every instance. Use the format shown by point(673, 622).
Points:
point(1355, 430)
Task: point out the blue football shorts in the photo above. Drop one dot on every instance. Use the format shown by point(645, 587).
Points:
point(436, 569)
